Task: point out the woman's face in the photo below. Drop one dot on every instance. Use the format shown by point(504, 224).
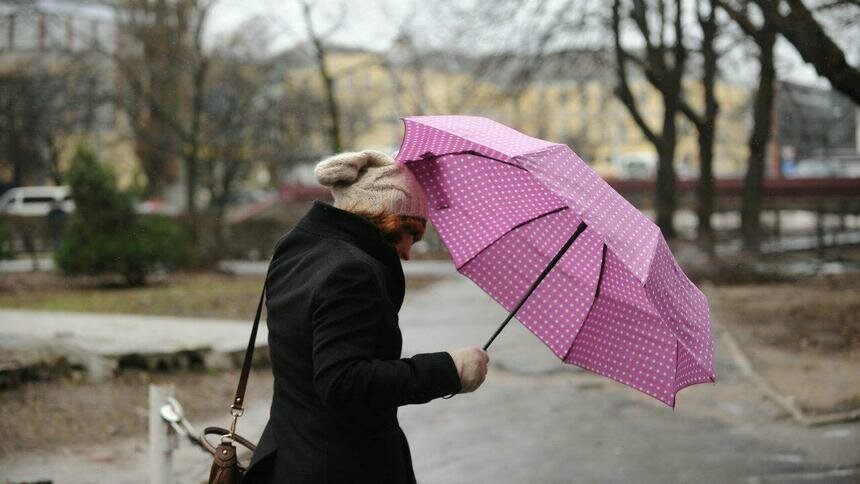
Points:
point(404, 245)
point(407, 238)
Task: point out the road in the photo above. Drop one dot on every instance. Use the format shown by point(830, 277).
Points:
point(538, 421)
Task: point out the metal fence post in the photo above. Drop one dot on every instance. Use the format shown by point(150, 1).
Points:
point(160, 445)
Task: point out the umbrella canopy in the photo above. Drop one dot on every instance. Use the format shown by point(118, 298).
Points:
point(540, 232)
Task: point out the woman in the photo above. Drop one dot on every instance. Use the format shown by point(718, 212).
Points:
point(334, 288)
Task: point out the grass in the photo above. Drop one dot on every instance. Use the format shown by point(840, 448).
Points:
point(200, 294)
point(207, 295)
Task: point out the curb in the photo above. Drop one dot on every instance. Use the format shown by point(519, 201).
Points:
point(786, 403)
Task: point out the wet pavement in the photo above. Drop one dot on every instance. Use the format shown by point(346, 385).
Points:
point(538, 421)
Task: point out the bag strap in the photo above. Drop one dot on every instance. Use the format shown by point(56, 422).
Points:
point(237, 408)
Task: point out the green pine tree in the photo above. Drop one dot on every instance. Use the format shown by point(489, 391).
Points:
point(106, 236)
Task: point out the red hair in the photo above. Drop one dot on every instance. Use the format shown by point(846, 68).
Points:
point(393, 226)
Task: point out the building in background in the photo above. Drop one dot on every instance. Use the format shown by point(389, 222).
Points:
point(816, 133)
point(68, 49)
point(55, 88)
point(569, 99)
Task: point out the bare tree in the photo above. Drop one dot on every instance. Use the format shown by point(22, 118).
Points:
point(28, 124)
point(43, 102)
point(180, 109)
point(230, 126)
point(294, 116)
point(764, 36)
point(706, 122)
point(796, 22)
point(405, 55)
point(252, 115)
point(320, 52)
point(151, 79)
point(663, 65)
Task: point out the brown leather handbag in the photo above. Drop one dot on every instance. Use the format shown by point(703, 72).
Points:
point(226, 468)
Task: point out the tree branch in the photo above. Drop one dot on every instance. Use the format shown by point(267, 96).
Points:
point(801, 28)
point(739, 18)
point(623, 89)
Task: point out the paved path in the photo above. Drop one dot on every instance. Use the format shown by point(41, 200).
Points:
point(114, 334)
point(100, 342)
point(411, 268)
point(26, 265)
point(538, 421)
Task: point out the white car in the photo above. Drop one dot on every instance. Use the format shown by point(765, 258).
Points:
point(35, 201)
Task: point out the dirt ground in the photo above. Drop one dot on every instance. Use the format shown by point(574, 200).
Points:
point(46, 415)
point(819, 314)
point(803, 336)
point(51, 414)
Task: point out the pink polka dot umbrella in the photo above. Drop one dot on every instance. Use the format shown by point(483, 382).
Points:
point(540, 232)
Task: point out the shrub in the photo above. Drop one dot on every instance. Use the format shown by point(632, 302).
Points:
point(155, 241)
point(5, 250)
point(106, 236)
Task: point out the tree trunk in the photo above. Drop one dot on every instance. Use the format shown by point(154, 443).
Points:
point(666, 181)
point(193, 154)
point(54, 170)
point(707, 131)
point(667, 78)
point(191, 189)
point(333, 108)
point(758, 142)
point(666, 177)
point(327, 80)
point(705, 205)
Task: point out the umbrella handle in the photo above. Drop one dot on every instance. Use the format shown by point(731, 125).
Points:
point(582, 226)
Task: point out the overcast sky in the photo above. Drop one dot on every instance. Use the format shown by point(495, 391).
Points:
point(366, 23)
point(374, 23)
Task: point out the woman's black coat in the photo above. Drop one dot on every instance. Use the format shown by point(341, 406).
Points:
point(334, 289)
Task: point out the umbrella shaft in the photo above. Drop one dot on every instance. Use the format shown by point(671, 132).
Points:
point(535, 284)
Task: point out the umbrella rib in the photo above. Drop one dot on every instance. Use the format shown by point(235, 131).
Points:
point(430, 155)
point(552, 263)
point(470, 259)
point(596, 295)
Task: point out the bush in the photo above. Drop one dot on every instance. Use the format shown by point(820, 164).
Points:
point(106, 236)
point(5, 250)
point(156, 241)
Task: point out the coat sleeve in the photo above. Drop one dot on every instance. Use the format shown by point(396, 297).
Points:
point(348, 313)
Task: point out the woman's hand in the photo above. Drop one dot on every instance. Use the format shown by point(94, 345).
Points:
point(471, 365)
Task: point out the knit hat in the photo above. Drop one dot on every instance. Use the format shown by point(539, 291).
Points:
point(371, 181)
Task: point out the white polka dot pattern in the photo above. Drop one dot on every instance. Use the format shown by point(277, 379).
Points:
point(556, 310)
point(624, 338)
point(441, 135)
point(491, 204)
point(684, 310)
point(505, 203)
point(630, 234)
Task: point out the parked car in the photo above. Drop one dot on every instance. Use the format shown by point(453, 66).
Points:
point(834, 167)
point(35, 201)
